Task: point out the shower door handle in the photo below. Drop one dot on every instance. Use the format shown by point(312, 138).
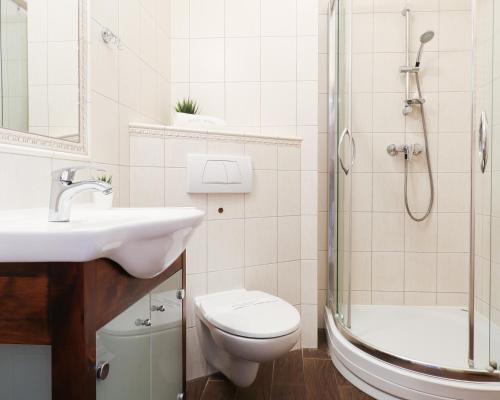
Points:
point(483, 141)
point(347, 132)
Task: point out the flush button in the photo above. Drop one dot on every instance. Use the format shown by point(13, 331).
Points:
point(233, 172)
point(214, 172)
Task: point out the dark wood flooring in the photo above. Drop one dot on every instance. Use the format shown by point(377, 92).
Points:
point(307, 374)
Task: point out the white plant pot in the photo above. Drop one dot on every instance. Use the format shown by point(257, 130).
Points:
point(102, 201)
point(197, 121)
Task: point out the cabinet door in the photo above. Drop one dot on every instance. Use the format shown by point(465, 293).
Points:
point(167, 339)
point(125, 343)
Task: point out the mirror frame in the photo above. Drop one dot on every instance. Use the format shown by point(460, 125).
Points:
point(32, 140)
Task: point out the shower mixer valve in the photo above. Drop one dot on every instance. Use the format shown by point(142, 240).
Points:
point(408, 150)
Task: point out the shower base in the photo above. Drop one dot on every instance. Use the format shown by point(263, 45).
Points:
point(432, 335)
point(435, 336)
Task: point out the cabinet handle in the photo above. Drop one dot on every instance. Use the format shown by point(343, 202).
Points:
point(102, 370)
point(142, 322)
point(158, 308)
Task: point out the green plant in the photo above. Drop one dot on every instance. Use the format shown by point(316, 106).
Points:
point(186, 106)
point(105, 178)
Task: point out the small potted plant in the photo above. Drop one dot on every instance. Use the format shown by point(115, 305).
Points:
point(185, 110)
point(100, 200)
point(186, 115)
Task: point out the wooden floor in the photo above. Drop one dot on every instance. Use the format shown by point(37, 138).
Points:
point(300, 375)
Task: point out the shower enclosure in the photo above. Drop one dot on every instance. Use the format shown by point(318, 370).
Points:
point(414, 197)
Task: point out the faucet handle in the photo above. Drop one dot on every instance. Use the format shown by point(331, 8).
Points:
point(68, 174)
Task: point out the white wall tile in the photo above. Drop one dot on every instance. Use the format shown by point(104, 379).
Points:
point(105, 125)
point(206, 60)
point(279, 58)
point(261, 239)
point(243, 104)
point(226, 244)
point(242, 59)
point(196, 285)
point(307, 103)
point(264, 156)
point(289, 158)
point(262, 200)
point(289, 193)
point(309, 326)
point(307, 58)
point(289, 281)
point(309, 281)
point(278, 18)
point(278, 103)
point(180, 18)
point(226, 206)
point(180, 63)
point(242, 18)
point(146, 152)
point(226, 280)
point(308, 11)
point(263, 278)
point(451, 39)
point(288, 238)
point(129, 17)
point(206, 18)
point(146, 187)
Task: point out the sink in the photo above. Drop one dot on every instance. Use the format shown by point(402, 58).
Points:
point(143, 241)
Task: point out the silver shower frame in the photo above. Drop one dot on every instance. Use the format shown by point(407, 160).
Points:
point(470, 375)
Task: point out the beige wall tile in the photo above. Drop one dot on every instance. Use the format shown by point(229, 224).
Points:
point(388, 272)
point(262, 277)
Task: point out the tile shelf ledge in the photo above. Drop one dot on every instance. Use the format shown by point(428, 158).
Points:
point(211, 134)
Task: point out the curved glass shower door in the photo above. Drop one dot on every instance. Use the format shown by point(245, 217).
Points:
point(341, 161)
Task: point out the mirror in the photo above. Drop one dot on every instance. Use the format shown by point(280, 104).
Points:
point(41, 90)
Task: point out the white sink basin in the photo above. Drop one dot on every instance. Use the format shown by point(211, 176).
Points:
point(144, 241)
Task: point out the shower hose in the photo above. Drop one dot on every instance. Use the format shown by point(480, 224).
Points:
point(429, 167)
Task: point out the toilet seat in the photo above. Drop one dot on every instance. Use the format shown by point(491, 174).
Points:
point(249, 314)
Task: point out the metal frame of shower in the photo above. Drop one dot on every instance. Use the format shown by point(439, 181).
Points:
point(333, 302)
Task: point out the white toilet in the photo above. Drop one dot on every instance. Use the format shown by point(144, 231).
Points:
point(240, 329)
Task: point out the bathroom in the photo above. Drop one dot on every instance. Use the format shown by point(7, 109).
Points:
point(249, 199)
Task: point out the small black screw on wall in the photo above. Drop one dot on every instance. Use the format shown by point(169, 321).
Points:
point(220, 210)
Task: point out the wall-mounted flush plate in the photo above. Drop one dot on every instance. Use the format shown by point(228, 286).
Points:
point(218, 174)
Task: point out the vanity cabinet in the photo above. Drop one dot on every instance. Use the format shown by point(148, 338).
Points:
point(140, 352)
point(87, 312)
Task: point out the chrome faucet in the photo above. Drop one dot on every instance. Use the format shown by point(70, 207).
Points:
point(408, 150)
point(64, 188)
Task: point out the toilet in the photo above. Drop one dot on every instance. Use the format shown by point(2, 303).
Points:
point(239, 329)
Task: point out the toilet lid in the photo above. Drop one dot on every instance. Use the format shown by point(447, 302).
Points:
point(251, 314)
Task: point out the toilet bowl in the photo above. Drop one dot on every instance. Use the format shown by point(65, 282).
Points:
point(240, 329)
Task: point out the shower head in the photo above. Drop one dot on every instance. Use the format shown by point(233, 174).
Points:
point(426, 37)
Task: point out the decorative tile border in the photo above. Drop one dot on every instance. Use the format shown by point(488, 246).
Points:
point(161, 131)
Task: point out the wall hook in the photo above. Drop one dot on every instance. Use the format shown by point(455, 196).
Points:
point(109, 37)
